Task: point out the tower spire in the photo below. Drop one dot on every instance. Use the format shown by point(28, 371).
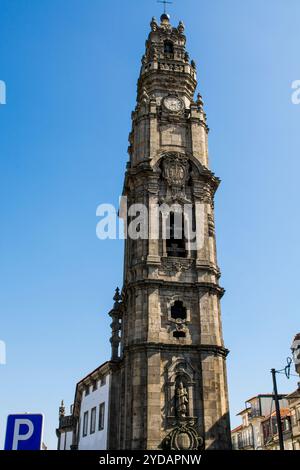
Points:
point(169, 387)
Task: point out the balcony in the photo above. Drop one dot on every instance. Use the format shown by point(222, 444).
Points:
point(254, 413)
point(245, 444)
point(66, 422)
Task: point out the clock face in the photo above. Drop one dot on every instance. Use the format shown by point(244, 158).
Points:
point(172, 103)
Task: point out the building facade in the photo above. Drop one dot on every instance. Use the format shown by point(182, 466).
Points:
point(270, 431)
point(294, 398)
point(168, 384)
point(258, 430)
point(294, 405)
point(86, 427)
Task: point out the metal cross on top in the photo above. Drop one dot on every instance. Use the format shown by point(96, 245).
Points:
point(165, 3)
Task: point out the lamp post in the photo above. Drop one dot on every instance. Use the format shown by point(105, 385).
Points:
point(277, 408)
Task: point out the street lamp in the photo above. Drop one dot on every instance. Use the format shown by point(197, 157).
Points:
point(287, 371)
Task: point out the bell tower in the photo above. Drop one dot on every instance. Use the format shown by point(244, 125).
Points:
point(169, 385)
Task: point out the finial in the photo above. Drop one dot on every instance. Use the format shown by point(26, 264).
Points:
point(154, 24)
point(62, 409)
point(181, 27)
point(117, 296)
point(199, 100)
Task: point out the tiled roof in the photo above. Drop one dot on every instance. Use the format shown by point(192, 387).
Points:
point(284, 412)
point(239, 428)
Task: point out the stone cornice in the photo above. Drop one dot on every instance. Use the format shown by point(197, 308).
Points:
point(145, 168)
point(210, 287)
point(154, 80)
point(184, 119)
point(207, 348)
point(200, 265)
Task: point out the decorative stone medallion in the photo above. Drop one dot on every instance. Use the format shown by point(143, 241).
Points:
point(183, 437)
point(175, 173)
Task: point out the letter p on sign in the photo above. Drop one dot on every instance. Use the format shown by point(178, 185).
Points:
point(24, 432)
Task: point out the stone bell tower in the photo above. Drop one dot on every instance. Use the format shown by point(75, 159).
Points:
point(169, 386)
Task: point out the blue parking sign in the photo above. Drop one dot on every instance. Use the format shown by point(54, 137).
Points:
point(24, 432)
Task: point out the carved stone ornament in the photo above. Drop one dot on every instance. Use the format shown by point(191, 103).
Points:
point(206, 195)
point(144, 97)
point(183, 437)
point(171, 267)
point(211, 225)
point(175, 172)
point(180, 326)
point(153, 53)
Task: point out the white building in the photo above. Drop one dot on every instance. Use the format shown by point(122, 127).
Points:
point(86, 427)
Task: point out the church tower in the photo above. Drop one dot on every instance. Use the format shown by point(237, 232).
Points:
point(169, 385)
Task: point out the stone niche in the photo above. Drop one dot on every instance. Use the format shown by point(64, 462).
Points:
point(174, 135)
point(180, 370)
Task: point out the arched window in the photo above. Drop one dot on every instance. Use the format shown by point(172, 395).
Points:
point(176, 241)
point(169, 47)
point(178, 311)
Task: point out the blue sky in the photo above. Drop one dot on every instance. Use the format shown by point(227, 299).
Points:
point(71, 68)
